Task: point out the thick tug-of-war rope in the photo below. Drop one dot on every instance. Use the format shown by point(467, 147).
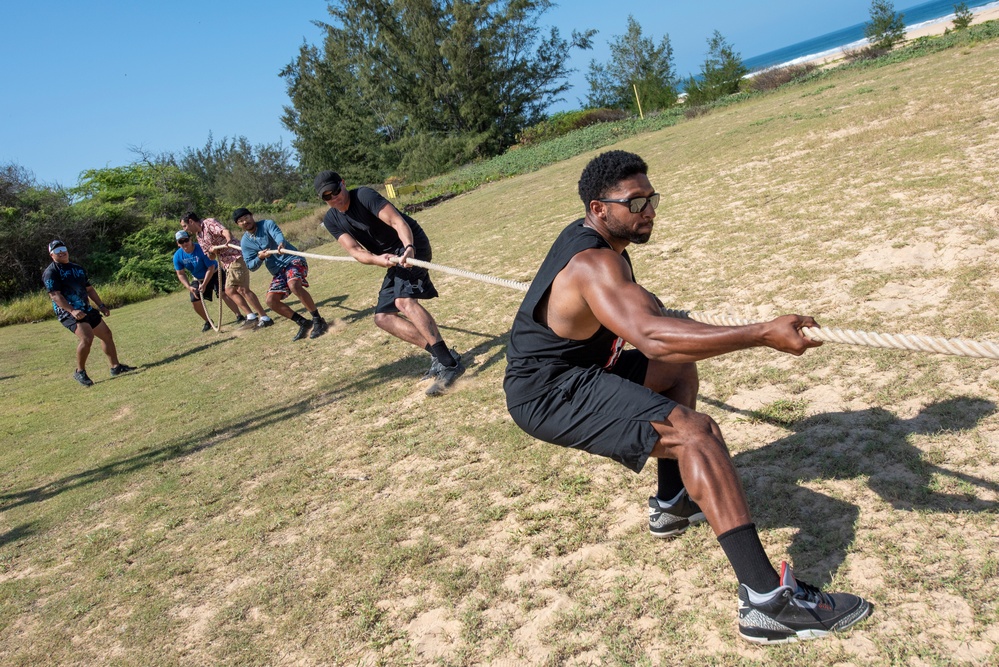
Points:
point(961, 347)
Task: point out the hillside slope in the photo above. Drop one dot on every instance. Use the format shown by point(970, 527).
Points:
point(244, 500)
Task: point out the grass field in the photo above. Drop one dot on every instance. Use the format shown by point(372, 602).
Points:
point(245, 500)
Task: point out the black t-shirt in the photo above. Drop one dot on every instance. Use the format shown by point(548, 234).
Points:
point(536, 355)
point(71, 280)
point(361, 221)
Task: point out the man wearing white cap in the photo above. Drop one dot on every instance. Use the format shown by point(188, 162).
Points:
point(71, 294)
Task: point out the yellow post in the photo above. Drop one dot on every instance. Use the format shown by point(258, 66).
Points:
point(390, 191)
point(640, 114)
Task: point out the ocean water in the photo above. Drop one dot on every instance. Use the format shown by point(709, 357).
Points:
point(853, 36)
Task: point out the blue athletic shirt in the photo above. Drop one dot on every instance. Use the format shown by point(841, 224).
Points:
point(267, 236)
point(196, 262)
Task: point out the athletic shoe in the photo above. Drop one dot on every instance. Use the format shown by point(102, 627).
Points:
point(250, 324)
point(673, 520)
point(303, 329)
point(239, 320)
point(120, 368)
point(206, 327)
point(795, 611)
point(446, 378)
point(82, 378)
point(265, 323)
point(319, 327)
point(436, 367)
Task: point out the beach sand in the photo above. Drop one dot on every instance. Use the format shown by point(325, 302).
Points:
point(938, 28)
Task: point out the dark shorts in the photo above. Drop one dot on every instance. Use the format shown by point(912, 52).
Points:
point(606, 413)
point(93, 318)
point(210, 290)
point(406, 283)
point(297, 270)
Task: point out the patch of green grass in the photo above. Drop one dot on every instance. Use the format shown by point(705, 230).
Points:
point(782, 412)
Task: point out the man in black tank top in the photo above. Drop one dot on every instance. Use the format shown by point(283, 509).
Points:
point(570, 382)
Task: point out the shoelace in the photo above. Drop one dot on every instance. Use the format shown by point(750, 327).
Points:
point(812, 594)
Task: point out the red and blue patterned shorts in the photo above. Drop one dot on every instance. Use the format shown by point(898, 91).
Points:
point(297, 270)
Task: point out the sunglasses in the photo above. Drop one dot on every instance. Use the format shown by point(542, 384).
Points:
point(183, 241)
point(60, 251)
point(637, 204)
point(331, 193)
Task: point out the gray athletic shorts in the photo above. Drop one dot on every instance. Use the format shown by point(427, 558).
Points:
point(606, 413)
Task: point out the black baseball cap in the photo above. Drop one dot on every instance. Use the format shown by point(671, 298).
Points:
point(327, 181)
point(55, 245)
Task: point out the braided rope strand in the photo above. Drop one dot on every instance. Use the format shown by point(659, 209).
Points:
point(953, 346)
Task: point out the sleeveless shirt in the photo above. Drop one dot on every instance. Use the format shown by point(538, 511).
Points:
point(536, 355)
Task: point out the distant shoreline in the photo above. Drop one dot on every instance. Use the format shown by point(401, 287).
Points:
point(936, 27)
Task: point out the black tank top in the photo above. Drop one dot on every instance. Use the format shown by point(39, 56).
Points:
point(536, 355)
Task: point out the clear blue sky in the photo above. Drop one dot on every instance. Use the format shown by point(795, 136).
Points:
point(82, 82)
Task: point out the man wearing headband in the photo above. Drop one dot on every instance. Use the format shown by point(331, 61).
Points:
point(71, 294)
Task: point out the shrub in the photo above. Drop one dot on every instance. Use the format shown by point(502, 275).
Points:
point(775, 77)
point(564, 122)
point(37, 306)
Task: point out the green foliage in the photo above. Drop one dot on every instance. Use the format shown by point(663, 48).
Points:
point(886, 28)
point(962, 16)
point(147, 257)
point(30, 217)
point(564, 122)
point(114, 195)
point(636, 63)
point(782, 412)
point(233, 172)
point(721, 73)
point(458, 79)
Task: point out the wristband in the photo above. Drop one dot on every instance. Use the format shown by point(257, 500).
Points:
point(408, 246)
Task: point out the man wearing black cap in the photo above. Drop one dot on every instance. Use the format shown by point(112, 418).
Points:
point(262, 243)
point(375, 232)
point(71, 293)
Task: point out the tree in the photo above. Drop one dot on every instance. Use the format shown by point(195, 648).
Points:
point(636, 62)
point(886, 28)
point(423, 85)
point(962, 16)
point(233, 172)
point(721, 73)
point(30, 216)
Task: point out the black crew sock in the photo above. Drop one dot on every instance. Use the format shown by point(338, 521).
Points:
point(670, 482)
point(298, 319)
point(315, 314)
point(745, 552)
point(442, 354)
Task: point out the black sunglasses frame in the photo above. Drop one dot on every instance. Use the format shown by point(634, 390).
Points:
point(652, 200)
point(332, 193)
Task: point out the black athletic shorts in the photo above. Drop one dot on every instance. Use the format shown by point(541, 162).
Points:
point(212, 289)
point(602, 412)
point(406, 283)
point(93, 318)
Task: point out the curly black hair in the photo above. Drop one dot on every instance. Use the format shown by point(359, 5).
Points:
point(607, 170)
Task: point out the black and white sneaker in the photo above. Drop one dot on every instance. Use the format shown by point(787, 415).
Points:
point(319, 327)
point(447, 377)
point(121, 368)
point(675, 518)
point(207, 327)
point(265, 322)
point(796, 611)
point(239, 320)
point(83, 378)
point(436, 367)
